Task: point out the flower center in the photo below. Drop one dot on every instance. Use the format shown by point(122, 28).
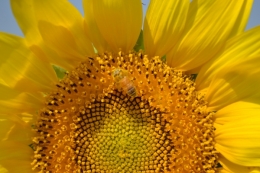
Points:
point(125, 113)
point(120, 135)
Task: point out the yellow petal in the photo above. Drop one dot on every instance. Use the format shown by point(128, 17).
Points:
point(60, 39)
point(119, 22)
point(163, 25)
point(42, 51)
point(3, 170)
point(239, 141)
point(199, 7)
point(21, 165)
point(24, 15)
point(256, 170)
point(237, 110)
point(221, 170)
point(24, 12)
point(15, 147)
point(20, 68)
point(91, 28)
point(229, 167)
point(5, 127)
point(13, 102)
point(239, 47)
point(62, 13)
point(208, 33)
point(10, 130)
point(238, 81)
point(197, 10)
point(242, 19)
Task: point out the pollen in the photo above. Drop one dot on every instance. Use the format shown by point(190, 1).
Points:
point(124, 113)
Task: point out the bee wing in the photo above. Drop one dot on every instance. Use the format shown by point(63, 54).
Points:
point(117, 84)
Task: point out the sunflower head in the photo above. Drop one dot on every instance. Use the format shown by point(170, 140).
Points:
point(168, 98)
point(113, 113)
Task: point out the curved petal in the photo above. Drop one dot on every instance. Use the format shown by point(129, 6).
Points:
point(164, 24)
point(60, 39)
point(245, 170)
point(237, 110)
point(229, 167)
point(20, 68)
point(67, 62)
point(91, 28)
point(208, 34)
point(243, 45)
point(221, 170)
point(24, 12)
point(62, 13)
point(12, 101)
point(197, 10)
point(14, 145)
point(239, 141)
point(24, 15)
point(240, 23)
point(119, 22)
point(3, 170)
point(239, 81)
point(242, 19)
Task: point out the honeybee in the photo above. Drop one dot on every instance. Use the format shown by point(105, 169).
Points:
point(122, 80)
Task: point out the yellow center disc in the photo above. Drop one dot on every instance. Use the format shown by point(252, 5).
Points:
point(125, 113)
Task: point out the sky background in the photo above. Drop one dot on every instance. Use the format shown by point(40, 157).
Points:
point(8, 23)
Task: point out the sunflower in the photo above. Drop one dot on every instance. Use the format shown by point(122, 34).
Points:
point(99, 94)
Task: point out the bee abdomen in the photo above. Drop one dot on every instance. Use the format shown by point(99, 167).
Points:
point(131, 91)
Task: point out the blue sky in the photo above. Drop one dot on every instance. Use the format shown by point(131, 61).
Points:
point(8, 24)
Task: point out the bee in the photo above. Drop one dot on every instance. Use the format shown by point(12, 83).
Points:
point(122, 80)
